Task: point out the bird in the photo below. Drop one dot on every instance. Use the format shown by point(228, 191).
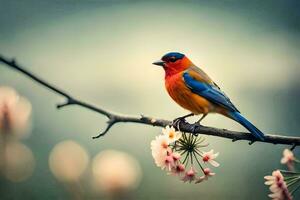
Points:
point(191, 88)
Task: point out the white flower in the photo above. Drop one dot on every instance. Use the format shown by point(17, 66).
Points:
point(159, 148)
point(14, 112)
point(162, 154)
point(171, 134)
point(190, 175)
point(169, 149)
point(161, 143)
point(209, 157)
point(288, 157)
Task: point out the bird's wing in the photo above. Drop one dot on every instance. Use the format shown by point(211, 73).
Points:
point(205, 87)
point(199, 75)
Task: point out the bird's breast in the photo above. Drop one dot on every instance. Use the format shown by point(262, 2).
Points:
point(183, 96)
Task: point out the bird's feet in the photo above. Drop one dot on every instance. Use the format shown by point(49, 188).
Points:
point(176, 122)
point(194, 127)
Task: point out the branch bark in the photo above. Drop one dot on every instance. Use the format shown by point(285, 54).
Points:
point(114, 118)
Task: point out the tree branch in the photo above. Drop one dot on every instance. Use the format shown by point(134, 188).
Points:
point(114, 118)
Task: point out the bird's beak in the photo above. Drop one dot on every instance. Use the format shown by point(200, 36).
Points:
point(159, 63)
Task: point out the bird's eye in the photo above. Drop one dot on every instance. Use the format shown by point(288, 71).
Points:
point(172, 59)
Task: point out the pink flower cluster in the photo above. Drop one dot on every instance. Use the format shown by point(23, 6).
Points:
point(278, 186)
point(168, 159)
point(288, 159)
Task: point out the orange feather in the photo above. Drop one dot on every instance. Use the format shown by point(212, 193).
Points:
point(182, 95)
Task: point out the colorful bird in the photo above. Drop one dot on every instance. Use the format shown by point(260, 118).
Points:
point(194, 90)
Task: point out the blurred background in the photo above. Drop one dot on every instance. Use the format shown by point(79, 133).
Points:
point(101, 52)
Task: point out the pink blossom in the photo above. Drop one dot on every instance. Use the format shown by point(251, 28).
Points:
point(176, 156)
point(178, 169)
point(168, 163)
point(209, 157)
point(171, 146)
point(207, 173)
point(189, 175)
point(288, 159)
point(278, 186)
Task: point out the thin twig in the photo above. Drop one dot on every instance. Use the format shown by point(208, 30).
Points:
point(114, 118)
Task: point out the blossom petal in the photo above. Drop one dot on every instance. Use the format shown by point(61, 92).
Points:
point(214, 163)
point(270, 182)
point(284, 160)
point(269, 177)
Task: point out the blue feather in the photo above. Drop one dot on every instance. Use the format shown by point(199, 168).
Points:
point(248, 125)
point(208, 91)
point(215, 95)
point(173, 54)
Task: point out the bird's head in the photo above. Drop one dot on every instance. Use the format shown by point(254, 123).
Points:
point(174, 63)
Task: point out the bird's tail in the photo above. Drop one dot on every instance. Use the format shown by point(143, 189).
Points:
point(248, 125)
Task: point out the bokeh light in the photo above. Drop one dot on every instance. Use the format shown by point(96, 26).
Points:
point(116, 172)
point(19, 162)
point(68, 161)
